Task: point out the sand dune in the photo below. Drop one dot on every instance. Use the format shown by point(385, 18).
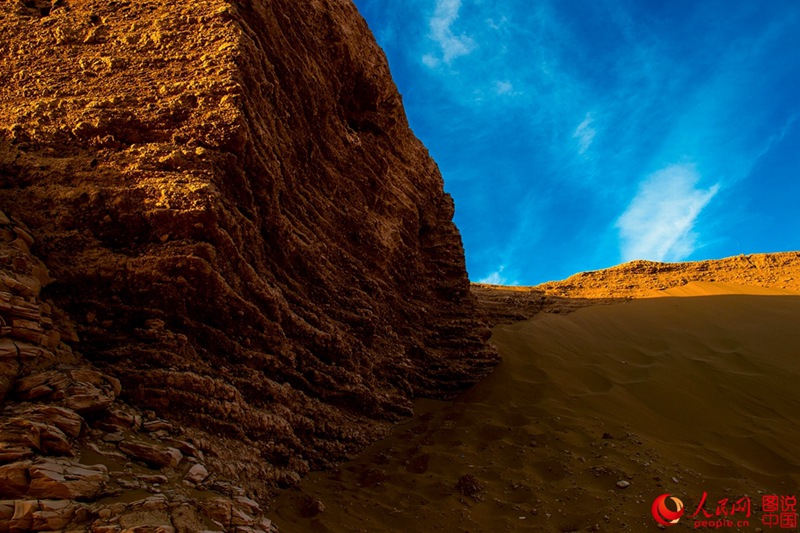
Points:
point(695, 390)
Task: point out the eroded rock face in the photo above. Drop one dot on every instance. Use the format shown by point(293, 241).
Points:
point(237, 216)
point(73, 456)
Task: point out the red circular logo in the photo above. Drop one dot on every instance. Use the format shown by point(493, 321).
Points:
point(663, 514)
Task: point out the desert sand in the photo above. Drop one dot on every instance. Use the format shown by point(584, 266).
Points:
point(683, 391)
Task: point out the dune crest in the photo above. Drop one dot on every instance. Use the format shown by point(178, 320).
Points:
point(714, 288)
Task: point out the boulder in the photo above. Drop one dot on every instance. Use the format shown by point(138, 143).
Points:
point(6, 512)
point(196, 474)
point(118, 420)
point(15, 479)
point(81, 390)
point(12, 454)
point(47, 429)
point(90, 391)
point(153, 454)
point(54, 515)
point(60, 479)
point(157, 425)
point(39, 386)
point(252, 506)
point(218, 509)
point(63, 418)
point(20, 433)
point(22, 520)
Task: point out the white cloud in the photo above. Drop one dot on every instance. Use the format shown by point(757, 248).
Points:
point(496, 277)
point(659, 221)
point(441, 31)
point(585, 133)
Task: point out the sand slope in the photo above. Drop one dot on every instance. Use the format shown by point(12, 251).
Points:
point(695, 390)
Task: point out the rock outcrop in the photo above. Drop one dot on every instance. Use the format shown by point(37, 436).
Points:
point(636, 279)
point(72, 455)
point(251, 245)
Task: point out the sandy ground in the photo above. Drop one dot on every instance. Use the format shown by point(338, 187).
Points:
point(695, 389)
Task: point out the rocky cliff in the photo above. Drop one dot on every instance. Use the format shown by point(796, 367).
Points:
point(230, 207)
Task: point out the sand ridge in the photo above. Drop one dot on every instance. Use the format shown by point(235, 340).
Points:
point(706, 288)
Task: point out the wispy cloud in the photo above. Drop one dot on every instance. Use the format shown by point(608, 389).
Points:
point(541, 122)
point(776, 138)
point(449, 43)
point(585, 134)
point(659, 221)
point(497, 278)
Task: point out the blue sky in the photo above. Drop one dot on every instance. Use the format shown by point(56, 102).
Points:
point(575, 135)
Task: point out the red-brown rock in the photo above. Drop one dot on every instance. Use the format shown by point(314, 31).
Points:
point(22, 519)
point(15, 479)
point(6, 512)
point(38, 428)
point(53, 515)
point(117, 419)
point(152, 454)
point(80, 389)
point(196, 474)
point(59, 479)
point(240, 219)
point(64, 419)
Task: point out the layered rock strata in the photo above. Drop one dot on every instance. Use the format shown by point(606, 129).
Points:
point(249, 239)
point(75, 457)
